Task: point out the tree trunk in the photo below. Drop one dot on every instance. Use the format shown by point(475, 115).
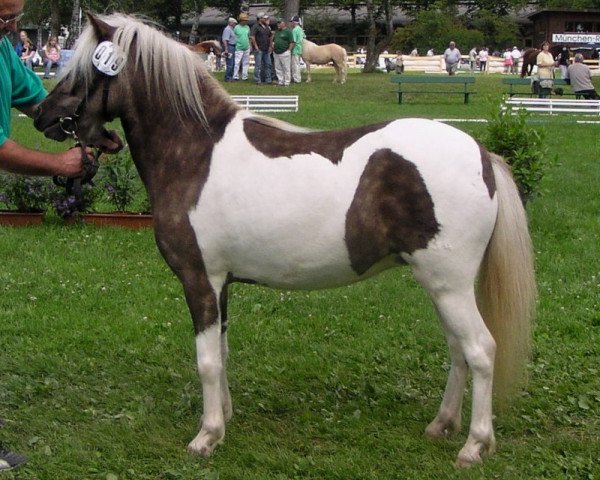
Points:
point(194, 31)
point(75, 25)
point(291, 8)
point(375, 47)
point(54, 17)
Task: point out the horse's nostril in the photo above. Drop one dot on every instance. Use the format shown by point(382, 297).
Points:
point(37, 112)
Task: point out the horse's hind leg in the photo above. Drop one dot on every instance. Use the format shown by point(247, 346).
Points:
point(225, 394)
point(448, 420)
point(472, 345)
point(338, 74)
point(308, 79)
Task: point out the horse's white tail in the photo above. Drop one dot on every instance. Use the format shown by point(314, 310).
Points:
point(506, 287)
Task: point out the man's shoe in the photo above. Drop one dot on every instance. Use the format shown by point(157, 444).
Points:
point(10, 460)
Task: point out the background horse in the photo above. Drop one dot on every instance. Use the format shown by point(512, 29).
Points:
point(206, 47)
point(530, 57)
point(239, 197)
point(323, 55)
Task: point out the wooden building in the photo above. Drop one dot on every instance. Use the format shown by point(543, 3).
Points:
point(574, 28)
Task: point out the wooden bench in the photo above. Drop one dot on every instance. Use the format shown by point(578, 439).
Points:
point(435, 80)
point(513, 82)
point(268, 103)
point(554, 105)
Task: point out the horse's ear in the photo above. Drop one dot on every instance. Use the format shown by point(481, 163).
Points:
point(103, 30)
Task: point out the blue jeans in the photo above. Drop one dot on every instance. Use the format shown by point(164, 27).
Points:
point(262, 66)
point(48, 66)
point(230, 62)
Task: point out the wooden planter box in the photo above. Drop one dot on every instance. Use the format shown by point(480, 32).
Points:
point(114, 219)
point(118, 219)
point(20, 219)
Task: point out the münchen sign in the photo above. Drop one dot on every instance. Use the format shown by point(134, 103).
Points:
point(576, 37)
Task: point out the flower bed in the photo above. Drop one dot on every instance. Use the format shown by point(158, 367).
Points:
point(116, 192)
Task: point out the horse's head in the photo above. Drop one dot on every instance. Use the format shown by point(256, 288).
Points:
point(81, 102)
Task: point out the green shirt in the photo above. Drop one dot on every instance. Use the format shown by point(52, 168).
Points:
point(282, 40)
point(19, 86)
point(298, 35)
point(242, 35)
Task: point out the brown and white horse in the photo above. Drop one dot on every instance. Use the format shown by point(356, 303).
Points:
point(239, 197)
point(206, 47)
point(323, 55)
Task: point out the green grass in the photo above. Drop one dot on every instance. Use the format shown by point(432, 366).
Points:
point(98, 379)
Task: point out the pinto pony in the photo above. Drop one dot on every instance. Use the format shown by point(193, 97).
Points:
point(206, 46)
point(238, 197)
point(323, 55)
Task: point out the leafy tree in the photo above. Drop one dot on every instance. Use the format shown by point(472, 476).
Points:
point(499, 31)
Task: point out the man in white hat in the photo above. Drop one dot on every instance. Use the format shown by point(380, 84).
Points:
point(228, 40)
point(242, 47)
point(298, 36)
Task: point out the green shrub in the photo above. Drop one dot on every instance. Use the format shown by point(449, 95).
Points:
point(522, 146)
point(23, 193)
point(121, 180)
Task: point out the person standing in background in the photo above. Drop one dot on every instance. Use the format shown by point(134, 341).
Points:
point(260, 36)
point(516, 58)
point(452, 58)
point(283, 44)
point(545, 64)
point(242, 47)
point(298, 36)
point(228, 41)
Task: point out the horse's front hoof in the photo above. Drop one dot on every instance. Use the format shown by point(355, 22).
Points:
point(473, 452)
point(205, 443)
point(464, 461)
point(442, 428)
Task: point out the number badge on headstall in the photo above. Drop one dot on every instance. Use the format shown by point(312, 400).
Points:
point(109, 59)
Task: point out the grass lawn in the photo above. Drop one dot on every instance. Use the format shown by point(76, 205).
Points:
point(98, 376)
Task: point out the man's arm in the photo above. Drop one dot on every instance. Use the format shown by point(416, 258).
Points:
point(18, 159)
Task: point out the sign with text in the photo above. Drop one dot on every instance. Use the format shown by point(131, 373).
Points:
point(576, 37)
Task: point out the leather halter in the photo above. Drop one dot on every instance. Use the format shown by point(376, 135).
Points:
point(68, 124)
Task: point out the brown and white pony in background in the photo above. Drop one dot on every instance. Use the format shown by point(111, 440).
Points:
point(238, 197)
point(323, 55)
point(204, 49)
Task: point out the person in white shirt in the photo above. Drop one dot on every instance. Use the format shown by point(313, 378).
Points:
point(452, 58)
point(483, 59)
point(516, 58)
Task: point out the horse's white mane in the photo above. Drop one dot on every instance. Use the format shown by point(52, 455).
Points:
point(157, 56)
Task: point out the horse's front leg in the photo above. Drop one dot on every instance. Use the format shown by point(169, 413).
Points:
point(202, 295)
point(308, 79)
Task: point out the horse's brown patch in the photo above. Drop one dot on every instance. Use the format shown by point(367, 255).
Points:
point(487, 172)
point(391, 213)
point(275, 142)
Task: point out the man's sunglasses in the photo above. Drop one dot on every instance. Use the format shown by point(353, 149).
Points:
point(6, 21)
